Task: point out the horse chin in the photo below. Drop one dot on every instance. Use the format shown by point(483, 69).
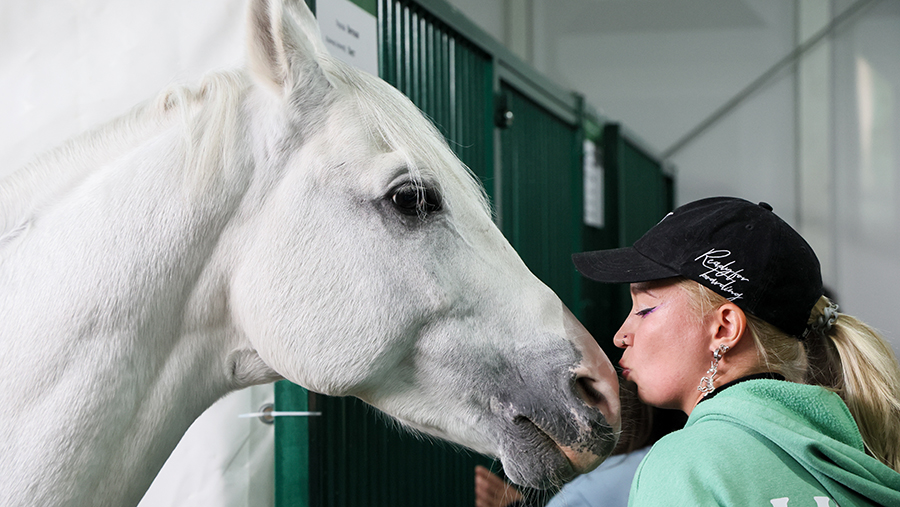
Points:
point(535, 461)
point(532, 458)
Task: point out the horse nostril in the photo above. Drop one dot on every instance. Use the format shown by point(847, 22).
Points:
point(585, 390)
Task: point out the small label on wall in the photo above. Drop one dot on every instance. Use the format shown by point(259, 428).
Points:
point(593, 186)
point(350, 32)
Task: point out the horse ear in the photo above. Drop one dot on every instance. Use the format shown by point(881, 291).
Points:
point(283, 44)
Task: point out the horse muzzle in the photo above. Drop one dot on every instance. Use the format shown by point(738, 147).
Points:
point(549, 436)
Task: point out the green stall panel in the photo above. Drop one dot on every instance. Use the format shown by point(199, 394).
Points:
point(638, 191)
point(447, 77)
point(541, 198)
point(641, 192)
point(292, 449)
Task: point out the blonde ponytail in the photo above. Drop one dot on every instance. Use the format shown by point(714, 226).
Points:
point(865, 373)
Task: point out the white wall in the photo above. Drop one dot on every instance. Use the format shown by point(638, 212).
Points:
point(488, 15)
point(69, 66)
point(866, 165)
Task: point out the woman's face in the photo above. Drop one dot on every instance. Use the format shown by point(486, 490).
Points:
point(667, 346)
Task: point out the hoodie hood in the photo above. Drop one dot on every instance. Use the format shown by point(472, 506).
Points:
point(814, 427)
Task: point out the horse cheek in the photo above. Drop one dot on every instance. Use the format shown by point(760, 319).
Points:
point(298, 302)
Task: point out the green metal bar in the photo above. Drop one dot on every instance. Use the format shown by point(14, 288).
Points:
point(292, 452)
point(415, 88)
point(385, 39)
point(404, 63)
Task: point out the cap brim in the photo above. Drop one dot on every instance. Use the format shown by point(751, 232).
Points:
point(620, 265)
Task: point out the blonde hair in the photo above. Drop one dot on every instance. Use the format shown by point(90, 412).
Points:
point(850, 358)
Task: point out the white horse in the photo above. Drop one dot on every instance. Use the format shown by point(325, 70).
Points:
point(298, 220)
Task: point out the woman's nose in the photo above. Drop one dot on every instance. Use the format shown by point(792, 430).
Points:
point(620, 339)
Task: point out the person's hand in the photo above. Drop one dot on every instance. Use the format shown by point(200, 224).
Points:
point(492, 491)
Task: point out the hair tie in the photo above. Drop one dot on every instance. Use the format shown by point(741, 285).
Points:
point(824, 322)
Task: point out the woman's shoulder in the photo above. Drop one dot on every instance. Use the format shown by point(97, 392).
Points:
point(712, 462)
point(780, 409)
point(698, 441)
point(716, 432)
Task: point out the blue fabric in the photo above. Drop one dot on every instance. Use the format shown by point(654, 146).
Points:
point(606, 486)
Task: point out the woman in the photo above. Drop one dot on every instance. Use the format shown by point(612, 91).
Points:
point(789, 402)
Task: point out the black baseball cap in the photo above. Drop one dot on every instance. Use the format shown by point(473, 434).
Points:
point(740, 250)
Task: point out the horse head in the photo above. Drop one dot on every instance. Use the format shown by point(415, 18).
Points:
point(369, 265)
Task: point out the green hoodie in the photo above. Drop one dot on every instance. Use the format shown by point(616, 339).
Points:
point(765, 443)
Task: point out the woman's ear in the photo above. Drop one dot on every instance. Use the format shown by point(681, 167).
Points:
point(729, 323)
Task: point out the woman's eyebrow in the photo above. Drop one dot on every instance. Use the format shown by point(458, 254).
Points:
point(642, 288)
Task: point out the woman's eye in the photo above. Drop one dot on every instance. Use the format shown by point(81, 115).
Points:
point(413, 199)
point(645, 312)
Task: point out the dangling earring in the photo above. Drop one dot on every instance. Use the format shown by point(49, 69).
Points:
point(706, 383)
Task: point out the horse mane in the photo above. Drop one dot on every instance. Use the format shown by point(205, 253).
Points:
point(209, 117)
point(207, 114)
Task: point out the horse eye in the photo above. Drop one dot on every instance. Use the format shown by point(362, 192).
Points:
point(413, 199)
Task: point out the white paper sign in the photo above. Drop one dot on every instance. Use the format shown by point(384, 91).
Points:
point(350, 33)
point(593, 186)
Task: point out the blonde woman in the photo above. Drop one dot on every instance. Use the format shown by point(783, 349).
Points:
point(790, 403)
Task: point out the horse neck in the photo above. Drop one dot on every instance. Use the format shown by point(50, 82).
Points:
point(126, 339)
